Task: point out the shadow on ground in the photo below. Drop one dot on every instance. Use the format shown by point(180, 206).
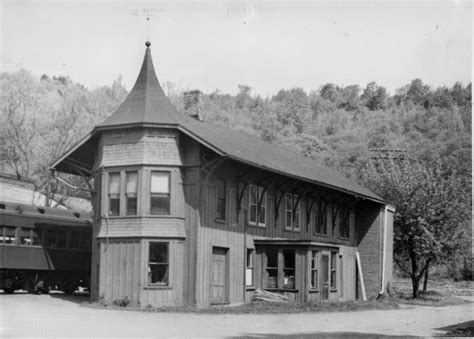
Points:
point(465, 329)
point(315, 335)
point(74, 298)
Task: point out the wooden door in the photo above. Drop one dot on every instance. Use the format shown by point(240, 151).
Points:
point(324, 277)
point(219, 276)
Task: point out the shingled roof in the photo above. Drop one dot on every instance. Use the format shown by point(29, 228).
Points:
point(147, 105)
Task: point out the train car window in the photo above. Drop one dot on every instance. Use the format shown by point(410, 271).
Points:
point(75, 240)
point(51, 238)
point(35, 237)
point(25, 236)
point(86, 241)
point(9, 236)
point(61, 239)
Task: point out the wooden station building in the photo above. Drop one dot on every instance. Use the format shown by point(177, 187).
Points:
point(187, 212)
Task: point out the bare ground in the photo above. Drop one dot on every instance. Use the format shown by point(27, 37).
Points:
point(24, 315)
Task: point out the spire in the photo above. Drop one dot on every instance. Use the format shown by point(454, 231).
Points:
point(146, 103)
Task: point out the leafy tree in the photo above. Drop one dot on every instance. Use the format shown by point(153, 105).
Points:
point(433, 205)
point(374, 96)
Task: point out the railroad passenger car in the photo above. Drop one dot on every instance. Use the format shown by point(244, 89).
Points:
point(43, 248)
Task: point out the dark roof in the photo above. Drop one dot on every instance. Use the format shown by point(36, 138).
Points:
point(147, 105)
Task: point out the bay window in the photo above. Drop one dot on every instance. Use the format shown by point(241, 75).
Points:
point(160, 193)
point(131, 188)
point(114, 193)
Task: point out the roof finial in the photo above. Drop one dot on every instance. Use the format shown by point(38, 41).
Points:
point(147, 44)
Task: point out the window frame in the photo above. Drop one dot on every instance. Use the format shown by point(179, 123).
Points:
point(117, 196)
point(295, 225)
point(333, 270)
point(166, 264)
point(223, 199)
point(249, 267)
point(272, 268)
point(263, 207)
point(15, 241)
point(322, 219)
point(344, 224)
point(160, 194)
point(314, 280)
point(281, 269)
point(285, 269)
point(130, 195)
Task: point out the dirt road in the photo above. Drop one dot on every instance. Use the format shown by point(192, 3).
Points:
point(54, 316)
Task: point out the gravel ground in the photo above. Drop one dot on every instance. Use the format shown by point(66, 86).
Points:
point(23, 315)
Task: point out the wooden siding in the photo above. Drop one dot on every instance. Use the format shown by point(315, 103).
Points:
point(234, 242)
point(120, 269)
point(170, 295)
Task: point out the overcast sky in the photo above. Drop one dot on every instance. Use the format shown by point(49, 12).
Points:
point(267, 45)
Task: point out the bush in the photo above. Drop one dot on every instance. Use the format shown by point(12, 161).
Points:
point(122, 302)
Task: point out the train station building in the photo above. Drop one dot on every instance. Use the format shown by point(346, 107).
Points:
point(190, 213)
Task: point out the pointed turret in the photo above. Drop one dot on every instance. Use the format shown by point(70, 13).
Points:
point(146, 103)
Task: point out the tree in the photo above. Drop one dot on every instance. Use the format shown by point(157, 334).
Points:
point(433, 206)
point(374, 96)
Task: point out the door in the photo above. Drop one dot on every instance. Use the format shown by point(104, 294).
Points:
point(324, 277)
point(219, 275)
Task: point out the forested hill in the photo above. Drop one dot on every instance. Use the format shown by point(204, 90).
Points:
point(341, 126)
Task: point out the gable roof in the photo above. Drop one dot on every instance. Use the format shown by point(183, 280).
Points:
point(147, 106)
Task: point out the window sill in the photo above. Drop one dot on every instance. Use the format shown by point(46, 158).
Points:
point(257, 226)
point(157, 288)
point(333, 290)
point(220, 221)
point(313, 291)
point(250, 288)
point(281, 290)
point(321, 234)
point(292, 230)
point(344, 238)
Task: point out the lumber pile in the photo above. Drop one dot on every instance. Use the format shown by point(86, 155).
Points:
point(261, 295)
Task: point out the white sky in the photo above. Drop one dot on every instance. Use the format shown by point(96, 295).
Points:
point(267, 45)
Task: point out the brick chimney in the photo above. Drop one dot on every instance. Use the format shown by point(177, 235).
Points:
point(193, 104)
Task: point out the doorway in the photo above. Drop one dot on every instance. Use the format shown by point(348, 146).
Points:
point(219, 276)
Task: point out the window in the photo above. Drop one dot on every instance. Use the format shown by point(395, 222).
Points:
point(249, 268)
point(289, 269)
point(158, 264)
point(321, 222)
point(25, 236)
point(114, 193)
point(292, 220)
point(314, 269)
point(9, 235)
point(333, 270)
point(344, 220)
point(221, 199)
point(272, 269)
point(61, 239)
point(255, 194)
point(36, 237)
point(160, 193)
point(131, 188)
point(51, 238)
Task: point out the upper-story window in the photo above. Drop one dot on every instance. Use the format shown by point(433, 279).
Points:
point(257, 195)
point(221, 199)
point(114, 193)
point(345, 223)
point(160, 193)
point(131, 190)
point(322, 219)
point(292, 212)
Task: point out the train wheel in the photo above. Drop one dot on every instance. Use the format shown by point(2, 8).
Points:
point(8, 286)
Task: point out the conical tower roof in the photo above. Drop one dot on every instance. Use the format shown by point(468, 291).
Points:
point(146, 103)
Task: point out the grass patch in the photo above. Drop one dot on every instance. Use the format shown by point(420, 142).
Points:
point(441, 292)
point(260, 307)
